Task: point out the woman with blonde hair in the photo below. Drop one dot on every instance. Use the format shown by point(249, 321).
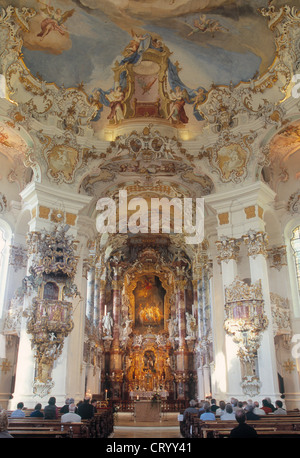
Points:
point(4, 426)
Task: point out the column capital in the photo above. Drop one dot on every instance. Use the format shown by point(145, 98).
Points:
point(228, 248)
point(256, 242)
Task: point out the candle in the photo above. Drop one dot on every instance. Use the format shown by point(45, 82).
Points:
point(105, 395)
point(104, 310)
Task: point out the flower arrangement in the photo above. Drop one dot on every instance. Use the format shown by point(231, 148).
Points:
point(155, 397)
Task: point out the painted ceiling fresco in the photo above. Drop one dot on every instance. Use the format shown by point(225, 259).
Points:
point(73, 42)
point(215, 73)
point(78, 42)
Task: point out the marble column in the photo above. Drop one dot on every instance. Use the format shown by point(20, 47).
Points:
point(102, 300)
point(116, 356)
point(96, 312)
point(117, 288)
point(90, 294)
point(181, 283)
point(182, 352)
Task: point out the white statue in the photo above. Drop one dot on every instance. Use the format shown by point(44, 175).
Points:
point(159, 340)
point(107, 324)
point(126, 331)
point(139, 339)
point(190, 325)
point(173, 327)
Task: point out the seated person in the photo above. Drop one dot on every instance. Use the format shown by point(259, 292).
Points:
point(243, 429)
point(279, 409)
point(192, 409)
point(207, 415)
point(37, 411)
point(229, 413)
point(71, 416)
point(19, 412)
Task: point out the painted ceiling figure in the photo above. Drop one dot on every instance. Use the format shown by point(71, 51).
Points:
point(116, 98)
point(137, 46)
point(54, 21)
point(177, 113)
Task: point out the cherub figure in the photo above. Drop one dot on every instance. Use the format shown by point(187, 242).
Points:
point(54, 21)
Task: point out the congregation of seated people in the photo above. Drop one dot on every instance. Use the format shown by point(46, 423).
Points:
point(241, 411)
point(69, 412)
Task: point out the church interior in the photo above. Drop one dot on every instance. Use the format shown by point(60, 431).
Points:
point(143, 108)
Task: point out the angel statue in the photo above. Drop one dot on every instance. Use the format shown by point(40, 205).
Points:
point(126, 331)
point(54, 21)
point(107, 324)
point(190, 325)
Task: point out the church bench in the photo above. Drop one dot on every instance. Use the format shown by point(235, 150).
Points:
point(37, 433)
point(194, 427)
point(75, 430)
point(101, 425)
point(262, 433)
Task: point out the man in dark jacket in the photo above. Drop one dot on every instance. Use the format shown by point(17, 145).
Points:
point(242, 430)
point(85, 409)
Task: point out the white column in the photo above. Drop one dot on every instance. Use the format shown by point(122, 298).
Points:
point(228, 249)
point(41, 201)
point(200, 386)
point(266, 353)
point(25, 368)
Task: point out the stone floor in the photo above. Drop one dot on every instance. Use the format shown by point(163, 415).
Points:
point(127, 427)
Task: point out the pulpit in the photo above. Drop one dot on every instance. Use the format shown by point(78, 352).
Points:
point(147, 410)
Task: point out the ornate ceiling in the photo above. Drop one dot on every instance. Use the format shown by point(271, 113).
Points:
point(230, 63)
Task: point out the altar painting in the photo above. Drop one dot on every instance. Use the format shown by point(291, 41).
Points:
point(149, 303)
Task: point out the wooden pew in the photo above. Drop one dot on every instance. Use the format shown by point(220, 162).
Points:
point(100, 426)
point(38, 433)
point(75, 430)
point(263, 433)
point(195, 427)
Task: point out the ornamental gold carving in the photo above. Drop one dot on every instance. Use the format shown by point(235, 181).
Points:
point(229, 156)
point(49, 318)
point(245, 321)
point(256, 243)
point(228, 248)
point(277, 257)
point(50, 322)
point(281, 317)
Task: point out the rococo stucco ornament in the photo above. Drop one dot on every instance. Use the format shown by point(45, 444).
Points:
point(49, 318)
point(245, 320)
